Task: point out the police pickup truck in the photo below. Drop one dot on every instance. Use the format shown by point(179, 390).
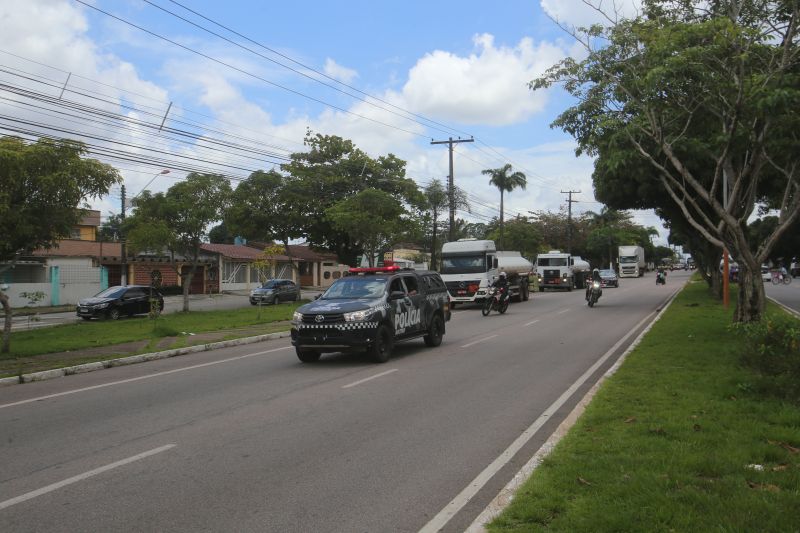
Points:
point(370, 309)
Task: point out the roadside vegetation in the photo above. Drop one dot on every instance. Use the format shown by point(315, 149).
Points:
point(692, 433)
point(45, 348)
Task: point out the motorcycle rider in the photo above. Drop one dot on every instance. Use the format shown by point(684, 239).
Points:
point(501, 284)
point(595, 279)
point(661, 277)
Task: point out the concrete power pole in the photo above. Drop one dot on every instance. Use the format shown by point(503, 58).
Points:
point(123, 251)
point(569, 218)
point(450, 187)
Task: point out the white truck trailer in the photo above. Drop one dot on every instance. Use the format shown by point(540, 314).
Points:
point(469, 266)
point(560, 270)
point(631, 261)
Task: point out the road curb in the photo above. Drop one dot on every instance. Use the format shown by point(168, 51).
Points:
point(506, 494)
point(134, 359)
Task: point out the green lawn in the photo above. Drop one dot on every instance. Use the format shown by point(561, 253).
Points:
point(96, 333)
point(678, 439)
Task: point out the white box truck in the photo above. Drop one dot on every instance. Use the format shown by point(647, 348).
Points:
point(469, 266)
point(631, 261)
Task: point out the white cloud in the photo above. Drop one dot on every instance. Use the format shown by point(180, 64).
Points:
point(487, 87)
point(336, 71)
point(584, 13)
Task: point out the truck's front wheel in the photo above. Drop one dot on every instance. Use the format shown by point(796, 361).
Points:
point(435, 332)
point(307, 356)
point(381, 348)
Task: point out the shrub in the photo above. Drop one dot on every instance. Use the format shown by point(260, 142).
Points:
point(772, 349)
point(171, 290)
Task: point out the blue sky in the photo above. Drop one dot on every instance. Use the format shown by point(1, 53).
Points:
point(463, 65)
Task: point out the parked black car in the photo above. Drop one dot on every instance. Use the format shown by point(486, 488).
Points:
point(117, 301)
point(370, 310)
point(275, 290)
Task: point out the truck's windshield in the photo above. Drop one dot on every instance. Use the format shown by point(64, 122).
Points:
point(551, 261)
point(463, 264)
point(628, 259)
point(356, 287)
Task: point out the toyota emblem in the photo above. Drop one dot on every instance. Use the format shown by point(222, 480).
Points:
point(319, 318)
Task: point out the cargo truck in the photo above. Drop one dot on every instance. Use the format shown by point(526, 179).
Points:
point(631, 261)
point(560, 270)
point(469, 266)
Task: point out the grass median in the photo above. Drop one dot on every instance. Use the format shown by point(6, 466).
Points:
point(682, 437)
point(90, 341)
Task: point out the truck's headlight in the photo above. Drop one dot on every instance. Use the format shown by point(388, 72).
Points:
point(357, 316)
point(297, 317)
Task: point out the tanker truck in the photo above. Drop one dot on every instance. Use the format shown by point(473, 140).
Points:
point(469, 266)
point(560, 270)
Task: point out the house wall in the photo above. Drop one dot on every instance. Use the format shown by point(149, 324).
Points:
point(248, 277)
point(76, 278)
point(16, 300)
point(330, 272)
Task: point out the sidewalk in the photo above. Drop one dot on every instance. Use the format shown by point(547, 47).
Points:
point(39, 363)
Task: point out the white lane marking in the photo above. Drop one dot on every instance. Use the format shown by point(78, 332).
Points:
point(562, 311)
point(80, 477)
point(479, 341)
point(120, 382)
point(532, 322)
point(456, 504)
point(359, 382)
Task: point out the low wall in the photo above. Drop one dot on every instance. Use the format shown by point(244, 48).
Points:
point(16, 301)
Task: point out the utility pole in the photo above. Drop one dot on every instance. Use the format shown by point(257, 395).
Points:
point(569, 218)
point(450, 187)
point(123, 251)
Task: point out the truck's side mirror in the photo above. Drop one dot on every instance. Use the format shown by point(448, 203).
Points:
point(494, 263)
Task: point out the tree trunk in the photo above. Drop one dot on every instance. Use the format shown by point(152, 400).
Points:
point(7, 323)
point(750, 304)
point(502, 221)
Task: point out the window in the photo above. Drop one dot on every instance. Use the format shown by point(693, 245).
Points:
point(337, 275)
point(326, 275)
point(411, 284)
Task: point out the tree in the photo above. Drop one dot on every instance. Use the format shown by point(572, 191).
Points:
point(609, 230)
point(177, 222)
point(522, 235)
point(505, 182)
point(704, 96)
point(43, 187)
point(111, 231)
point(437, 201)
point(220, 234)
point(371, 218)
point(333, 170)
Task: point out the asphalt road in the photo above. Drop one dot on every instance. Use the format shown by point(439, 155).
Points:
point(788, 295)
point(249, 439)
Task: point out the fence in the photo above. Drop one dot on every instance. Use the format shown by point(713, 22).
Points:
point(63, 285)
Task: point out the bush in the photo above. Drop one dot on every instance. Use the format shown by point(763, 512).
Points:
point(772, 349)
point(171, 290)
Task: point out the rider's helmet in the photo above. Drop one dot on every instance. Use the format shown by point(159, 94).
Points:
point(502, 275)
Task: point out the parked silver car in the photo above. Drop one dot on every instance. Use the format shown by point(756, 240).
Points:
point(274, 291)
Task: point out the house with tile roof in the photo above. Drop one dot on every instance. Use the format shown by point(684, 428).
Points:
point(240, 269)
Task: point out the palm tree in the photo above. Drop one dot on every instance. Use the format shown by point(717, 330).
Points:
point(505, 182)
point(437, 203)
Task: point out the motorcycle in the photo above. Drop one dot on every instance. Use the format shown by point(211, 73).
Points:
point(661, 278)
point(493, 303)
point(594, 293)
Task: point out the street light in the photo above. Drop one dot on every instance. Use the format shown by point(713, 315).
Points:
point(123, 250)
point(165, 171)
